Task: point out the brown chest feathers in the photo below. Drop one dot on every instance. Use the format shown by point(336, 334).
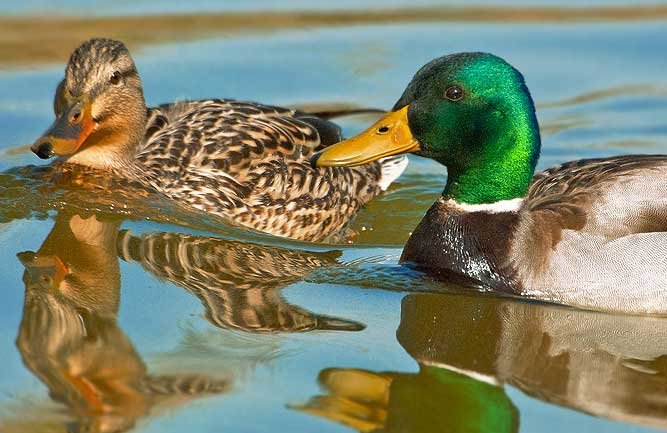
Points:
point(467, 247)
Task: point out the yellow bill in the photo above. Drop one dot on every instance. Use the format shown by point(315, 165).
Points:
point(390, 135)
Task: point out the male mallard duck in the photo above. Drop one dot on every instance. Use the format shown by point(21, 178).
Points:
point(590, 233)
point(243, 161)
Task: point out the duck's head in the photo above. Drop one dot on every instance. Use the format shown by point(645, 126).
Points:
point(473, 113)
point(99, 106)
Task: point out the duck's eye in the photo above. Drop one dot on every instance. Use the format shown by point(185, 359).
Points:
point(454, 93)
point(115, 78)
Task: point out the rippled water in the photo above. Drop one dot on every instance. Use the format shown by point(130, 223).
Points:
point(171, 322)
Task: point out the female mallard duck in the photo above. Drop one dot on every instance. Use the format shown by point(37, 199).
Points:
point(243, 161)
point(590, 233)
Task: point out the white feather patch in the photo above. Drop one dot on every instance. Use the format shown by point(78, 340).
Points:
point(500, 206)
point(392, 168)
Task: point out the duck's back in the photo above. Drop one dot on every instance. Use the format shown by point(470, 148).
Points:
point(249, 163)
point(594, 233)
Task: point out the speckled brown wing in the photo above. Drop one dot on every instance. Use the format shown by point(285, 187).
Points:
point(572, 190)
point(576, 178)
point(250, 163)
point(606, 197)
point(238, 283)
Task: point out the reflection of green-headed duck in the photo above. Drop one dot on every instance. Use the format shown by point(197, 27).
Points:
point(611, 366)
point(469, 347)
point(590, 233)
point(243, 161)
point(433, 400)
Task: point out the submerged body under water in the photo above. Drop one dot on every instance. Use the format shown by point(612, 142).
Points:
point(121, 312)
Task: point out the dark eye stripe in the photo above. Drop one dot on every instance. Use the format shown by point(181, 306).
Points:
point(118, 75)
point(127, 72)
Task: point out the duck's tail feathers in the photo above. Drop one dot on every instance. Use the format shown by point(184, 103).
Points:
point(392, 168)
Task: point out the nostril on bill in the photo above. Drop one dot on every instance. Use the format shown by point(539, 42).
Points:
point(44, 150)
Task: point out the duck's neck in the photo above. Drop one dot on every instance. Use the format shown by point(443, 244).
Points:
point(503, 168)
point(110, 154)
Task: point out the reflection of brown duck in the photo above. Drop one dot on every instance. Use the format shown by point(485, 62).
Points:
point(70, 339)
point(239, 283)
point(468, 347)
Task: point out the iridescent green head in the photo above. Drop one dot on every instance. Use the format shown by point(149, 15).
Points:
point(473, 113)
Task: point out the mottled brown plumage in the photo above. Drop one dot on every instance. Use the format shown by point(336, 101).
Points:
point(250, 162)
point(242, 161)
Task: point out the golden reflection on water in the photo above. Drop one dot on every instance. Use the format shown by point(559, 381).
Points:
point(29, 40)
point(468, 348)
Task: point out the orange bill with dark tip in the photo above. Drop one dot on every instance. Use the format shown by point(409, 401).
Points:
point(68, 132)
point(390, 135)
point(46, 271)
point(61, 270)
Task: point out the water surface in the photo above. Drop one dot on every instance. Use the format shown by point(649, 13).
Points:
point(168, 322)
